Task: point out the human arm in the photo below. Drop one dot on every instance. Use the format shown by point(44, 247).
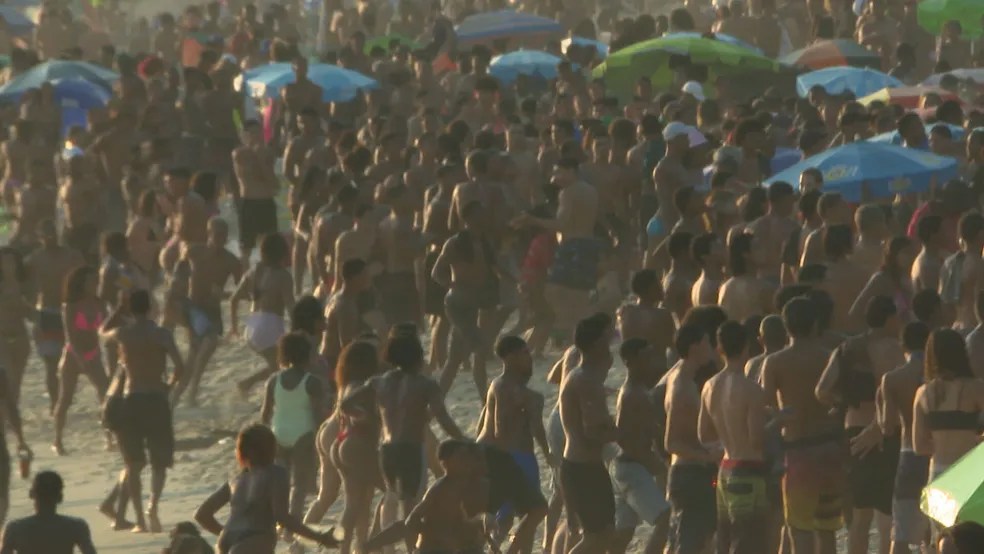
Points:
point(875, 286)
point(205, 514)
point(292, 162)
point(706, 432)
point(84, 539)
point(922, 436)
point(266, 411)
point(172, 352)
point(439, 410)
point(538, 430)
point(889, 411)
point(349, 324)
point(242, 289)
point(317, 393)
point(441, 272)
point(280, 504)
point(13, 415)
point(828, 380)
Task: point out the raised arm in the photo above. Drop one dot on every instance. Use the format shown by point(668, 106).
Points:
point(205, 514)
point(439, 410)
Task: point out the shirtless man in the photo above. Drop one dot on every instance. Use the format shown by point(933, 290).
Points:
point(34, 202)
point(406, 402)
point(833, 210)
point(638, 495)
point(527, 183)
point(47, 531)
point(929, 262)
point(669, 175)
point(872, 231)
point(511, 421)
point(113, 149)
point(309, 135)
point(48, 265)
point(733, 412)
point(209, 266)
point(678, 283)
point(80, 199)
point(588, 427)
point(466, 268)
point(252, 164)
point(359, 242)
point(815, 479)
point(446, 518)
point(300, 95)
point(898, 391)
point(773, 338)
point(343, 318)
point(691, 476)
point(144, 348)
point(962, 275)
point(774, 228)
point(16, 154)
point(402, 246)
point(851, 379)
point(745, 294)
point(647, 320)
point(437, 205)
point(708, 254)
point(845, 279)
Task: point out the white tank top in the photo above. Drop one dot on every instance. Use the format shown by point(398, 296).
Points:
point(292, 414)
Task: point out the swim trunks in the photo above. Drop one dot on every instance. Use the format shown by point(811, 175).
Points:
point(638, 497)
point(263, 330)
point(871, 478)
point(512, 483)
point(204, 320)
point(147, 426)
point(398, 293)
point(693, 515)
point(588, 495)
point(49, 334)
point(813, 487)
point(257, 217)
point(575, 263)
point(909, 524)
point(402, 464)
point(743, 506)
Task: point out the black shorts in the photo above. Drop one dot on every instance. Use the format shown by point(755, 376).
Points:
point(871, 479)
point(588, 495)
point(402, 464)
point(508, 483)
point(399, 297)
point(257, 217)
point(693, 507)
point(302, 461)
point(147, 425)
point(433, 292)
point(204, 319)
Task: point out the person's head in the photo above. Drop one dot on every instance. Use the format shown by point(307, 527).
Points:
point(637, 355)
point(812, 274)
point(838, 242)
point(517, 361)
point(912, 130)
point(799, 317)
point(972, 229)
point(914, 336)
point(707, 250)
point(274, 250)
point(881, 314)
point(679, 246)
point(591, 337)
point(781, 198)
point(256, 447)
point(80, 284)
point(928, 307)
point(308, 315)
point(870, 221)
point(732, 342)
point(565, 172)
point(46, 490)
point(456, 456)
point(740, 258)
point(48, 233)
point(905, 54)
point(114, 245)
point(693, 344)
point(139, 302)
point(928, 230)
point(898, 256)
point(677, 137)
point(772, 333)
point(403, 350)
point(646, 285)
point(300, 67)
point(946, 356)
point(357, 362)
point(966, 537)
point(294, 350)
point(832, 208)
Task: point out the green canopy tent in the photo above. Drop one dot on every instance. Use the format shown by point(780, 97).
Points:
point(933, 14)
point(958, 494)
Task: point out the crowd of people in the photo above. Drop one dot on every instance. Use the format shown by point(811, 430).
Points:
point(793, 364)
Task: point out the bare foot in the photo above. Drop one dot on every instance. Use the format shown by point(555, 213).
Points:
point(59, 449)
point(139, 528)
point(155, 522)
point(106, 509)
point(124, 525)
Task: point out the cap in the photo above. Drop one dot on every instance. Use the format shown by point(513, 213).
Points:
point(676, 129)
point(696, 137)
point(695, 89)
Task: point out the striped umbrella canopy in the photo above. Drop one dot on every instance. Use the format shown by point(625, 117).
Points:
point(532, 63)
point(907, 97)
point(488, 26)
point(832, 53)
point(337, 84)
point(838, 80)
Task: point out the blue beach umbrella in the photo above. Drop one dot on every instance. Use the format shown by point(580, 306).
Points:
point(57, 69)
point(600, 47)
point(885, 169)
point(838, 80)
point(75, 97)
point(337, 84)
point(893, 137)
point(488, 26)
point(532, 63)
point(719, 36)
point(18, 23)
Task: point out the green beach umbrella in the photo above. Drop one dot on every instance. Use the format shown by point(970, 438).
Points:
point(958, 494)
point(651, 59)
point(933, 14)
point(385, 41)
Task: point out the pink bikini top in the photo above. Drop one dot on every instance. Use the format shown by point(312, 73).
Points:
point(82, 322)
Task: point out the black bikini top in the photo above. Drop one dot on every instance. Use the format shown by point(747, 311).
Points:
point(856, 382)
point(954, 420)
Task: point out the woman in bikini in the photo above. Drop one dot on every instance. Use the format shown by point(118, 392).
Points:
point(258, 500)
point(271, 288)
point(15, 307)
point(82, 315)
point(892, 280)
point(144, 234)
point(355, 451)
